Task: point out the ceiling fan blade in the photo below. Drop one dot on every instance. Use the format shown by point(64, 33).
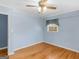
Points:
point(31, 6)
point(51, 7)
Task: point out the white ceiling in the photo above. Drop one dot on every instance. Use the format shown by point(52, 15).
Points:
point(63, 6)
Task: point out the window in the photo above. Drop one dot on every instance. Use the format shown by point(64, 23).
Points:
point(52, 28)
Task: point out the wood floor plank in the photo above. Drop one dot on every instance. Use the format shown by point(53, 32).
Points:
point(44, 51)
point(3, 52)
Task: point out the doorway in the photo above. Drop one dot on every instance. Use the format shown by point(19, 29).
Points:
point(3, 35)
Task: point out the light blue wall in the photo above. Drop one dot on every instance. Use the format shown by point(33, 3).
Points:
point(27, 29)
point(24, 28)
point(68, 36)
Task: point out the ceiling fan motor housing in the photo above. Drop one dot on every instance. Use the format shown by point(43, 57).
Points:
point(43, 3)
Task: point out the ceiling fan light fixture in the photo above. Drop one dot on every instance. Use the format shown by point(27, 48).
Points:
point(42, 6)
point(42, 9)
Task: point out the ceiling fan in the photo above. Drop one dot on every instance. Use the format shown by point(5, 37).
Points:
point(42, 6)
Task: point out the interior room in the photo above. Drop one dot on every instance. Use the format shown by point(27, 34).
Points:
point(39, 29)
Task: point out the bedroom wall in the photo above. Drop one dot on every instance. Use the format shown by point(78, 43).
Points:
point(27, 29)
point(68, 36)
point(24, 28)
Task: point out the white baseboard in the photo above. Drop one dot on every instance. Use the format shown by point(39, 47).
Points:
point(29, 45)
point(3, 48)
point(62, 46)
point(11, 53)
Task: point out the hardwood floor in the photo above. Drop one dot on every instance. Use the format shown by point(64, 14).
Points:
point(44, 51)
point(3, 52)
